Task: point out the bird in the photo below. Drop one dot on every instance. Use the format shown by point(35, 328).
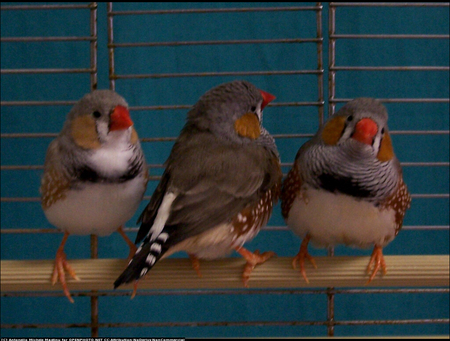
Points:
point(220, 183)
point(95, 174)
point(346, 186)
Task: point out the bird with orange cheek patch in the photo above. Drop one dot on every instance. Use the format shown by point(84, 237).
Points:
point(95, 174)
point(346, 185)
point(221, 181)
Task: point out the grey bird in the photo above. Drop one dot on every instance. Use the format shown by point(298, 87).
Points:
point(221, 181)
point(346, 185)
point(95, 174)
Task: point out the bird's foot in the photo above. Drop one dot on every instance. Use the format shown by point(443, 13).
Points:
point(135, 285)
point(252, 259)
point(61, 265)
point(195, 264)
point(300, 258)
point(377, 262)
point(130, 244)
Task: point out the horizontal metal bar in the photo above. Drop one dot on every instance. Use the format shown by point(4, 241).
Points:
point(389, 68)
point(27, 135)
point(278, 136)
point(221, 74)
point(188, 106)
point(419, 132)
point(34, 71)
point(46, 7)
point(397, 100)
point(266, 228)
point(248, 291)
point(36, 103)
point(430, 196)
point(218, 42)
point(45, 39)
point(389, 4)
point(425, 164)
point(225, 324)
point(389, 36)
point(390, 322)
point(23, 199)
point(217, 10)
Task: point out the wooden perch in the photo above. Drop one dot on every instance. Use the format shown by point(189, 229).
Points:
point(177, 273)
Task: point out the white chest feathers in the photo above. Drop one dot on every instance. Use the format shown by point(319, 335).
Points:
point(112, 159)
point(97, 208)
point(332, 219)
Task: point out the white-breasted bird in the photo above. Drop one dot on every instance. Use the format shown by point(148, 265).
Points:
point(346, 185)
point(95, 174)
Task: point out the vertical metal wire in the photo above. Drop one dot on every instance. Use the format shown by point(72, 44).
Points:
point(94, 238)
point(110, 18)
point(94, 46)
point(331, 60)
point(331, 108)
point(321, 99)
point(330, 302)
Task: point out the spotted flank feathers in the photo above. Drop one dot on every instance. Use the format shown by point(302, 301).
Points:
point(247, 223)
point(290, 190)
point(399, 201)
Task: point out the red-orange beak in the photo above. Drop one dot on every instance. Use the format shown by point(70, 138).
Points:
point(267, 98)
point(365, 131)
point(120, 119)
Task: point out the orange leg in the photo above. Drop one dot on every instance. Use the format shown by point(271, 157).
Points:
point(301, 255)
point(133, 249)
point(252, 259)
point(131, 245)
point(377, 260)
point(62, 265)
point(195, 264)
point(134, 289)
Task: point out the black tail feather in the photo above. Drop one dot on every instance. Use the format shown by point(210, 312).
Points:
point(144, 259)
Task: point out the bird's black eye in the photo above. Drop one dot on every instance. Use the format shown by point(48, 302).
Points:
point(96, 114)
point(382, 131)
point(350, 118)
point(253, 109)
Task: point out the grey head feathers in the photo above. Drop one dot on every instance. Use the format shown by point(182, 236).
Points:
point(347, 165)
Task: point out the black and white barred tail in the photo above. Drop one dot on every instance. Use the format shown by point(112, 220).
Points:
point(144, 259)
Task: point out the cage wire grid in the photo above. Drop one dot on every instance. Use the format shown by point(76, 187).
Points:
point(118, 76)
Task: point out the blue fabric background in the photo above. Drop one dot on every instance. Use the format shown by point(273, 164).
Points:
point(278, 120)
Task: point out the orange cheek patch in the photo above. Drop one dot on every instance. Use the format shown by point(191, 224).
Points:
point(333, 130)
point(386, 151)
point(134, 136)
point(248, 126)
point(84, 132)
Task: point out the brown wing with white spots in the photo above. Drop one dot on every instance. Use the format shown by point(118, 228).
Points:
point(290, 190)
point(399, 201)
point(250, 220)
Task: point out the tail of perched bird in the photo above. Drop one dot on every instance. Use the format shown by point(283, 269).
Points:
point(346, 185)
point(219, 186)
